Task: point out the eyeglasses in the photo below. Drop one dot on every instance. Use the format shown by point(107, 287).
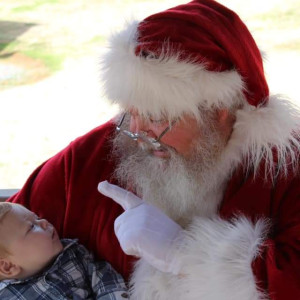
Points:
point(155, 144)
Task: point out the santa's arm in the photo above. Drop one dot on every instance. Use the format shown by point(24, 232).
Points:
point(239, 259)
point(219, 259)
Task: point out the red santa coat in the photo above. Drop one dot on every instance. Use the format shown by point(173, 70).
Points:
point(64, 191)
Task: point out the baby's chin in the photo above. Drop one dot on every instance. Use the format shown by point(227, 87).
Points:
point(57, 249)
point(57, 244)
point(60, 246)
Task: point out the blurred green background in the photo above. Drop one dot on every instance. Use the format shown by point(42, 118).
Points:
point(49, 68)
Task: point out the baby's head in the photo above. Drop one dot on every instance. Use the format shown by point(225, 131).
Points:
point(27, 243)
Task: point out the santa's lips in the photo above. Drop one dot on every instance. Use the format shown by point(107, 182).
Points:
point(161, 153)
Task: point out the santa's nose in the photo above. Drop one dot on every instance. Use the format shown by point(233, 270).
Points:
point(136, 122)
point(139, 124)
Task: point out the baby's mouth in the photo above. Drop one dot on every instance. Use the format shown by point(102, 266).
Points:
point(53, 234)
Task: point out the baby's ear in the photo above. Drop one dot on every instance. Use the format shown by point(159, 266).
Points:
point(9, 269)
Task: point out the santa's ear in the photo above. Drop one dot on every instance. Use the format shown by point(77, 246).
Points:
point(8, 269)
point(222, 115)
point(225, 118)
point(225, 121)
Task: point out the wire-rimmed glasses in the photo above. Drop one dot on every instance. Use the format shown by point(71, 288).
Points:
point(154, 143)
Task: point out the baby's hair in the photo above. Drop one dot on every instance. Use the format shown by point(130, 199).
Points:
point(5, 207)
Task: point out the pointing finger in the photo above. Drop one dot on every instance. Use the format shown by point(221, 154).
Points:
point(126, 199)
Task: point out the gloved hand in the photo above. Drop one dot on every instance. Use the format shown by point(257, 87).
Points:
point(143, 230)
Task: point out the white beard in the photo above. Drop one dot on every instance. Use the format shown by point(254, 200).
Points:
point(183, 188)
point(180, 187)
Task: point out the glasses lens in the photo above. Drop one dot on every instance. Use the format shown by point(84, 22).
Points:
point(152, 143)
point(131, 135)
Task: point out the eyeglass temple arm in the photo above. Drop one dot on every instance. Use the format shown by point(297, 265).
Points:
point(118, 127)
point(166, 130)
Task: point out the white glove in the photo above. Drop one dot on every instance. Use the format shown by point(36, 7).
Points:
point(143, 230)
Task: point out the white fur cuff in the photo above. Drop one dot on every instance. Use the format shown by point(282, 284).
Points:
point(216, 259)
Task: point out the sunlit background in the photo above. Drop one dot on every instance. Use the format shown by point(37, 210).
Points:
point(49, 68)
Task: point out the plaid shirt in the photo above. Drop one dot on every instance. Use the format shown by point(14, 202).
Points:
point(74, 275)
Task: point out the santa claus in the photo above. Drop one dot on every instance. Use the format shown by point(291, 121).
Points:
point(207, 160)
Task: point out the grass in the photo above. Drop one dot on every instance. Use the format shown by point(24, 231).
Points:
point(292, 45)
point(40, 54)
point(279, 28)
point(45, 41)
point(280, 19)
point(50, 43)
point(32, 6)
point(9, 47)
point(51, 60)
point(98, 39)
point(53, 56)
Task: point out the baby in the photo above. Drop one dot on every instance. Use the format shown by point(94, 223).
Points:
point(36, 264)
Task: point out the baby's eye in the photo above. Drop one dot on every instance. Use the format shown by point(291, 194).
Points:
point(36, 217)
point(32, 226)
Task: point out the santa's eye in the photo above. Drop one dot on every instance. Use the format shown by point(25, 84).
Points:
point(157, 121)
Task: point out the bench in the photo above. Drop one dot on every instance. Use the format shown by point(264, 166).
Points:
point(6, 193)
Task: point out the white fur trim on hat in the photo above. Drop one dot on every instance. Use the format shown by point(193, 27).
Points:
point(163, 85)
point(265, 133)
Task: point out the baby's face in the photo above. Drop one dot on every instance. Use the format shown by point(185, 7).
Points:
point(32, 242)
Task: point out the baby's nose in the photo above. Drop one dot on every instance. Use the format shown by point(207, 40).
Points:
point(43, 223)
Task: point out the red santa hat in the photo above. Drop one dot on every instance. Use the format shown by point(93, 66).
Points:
point(198, 54)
